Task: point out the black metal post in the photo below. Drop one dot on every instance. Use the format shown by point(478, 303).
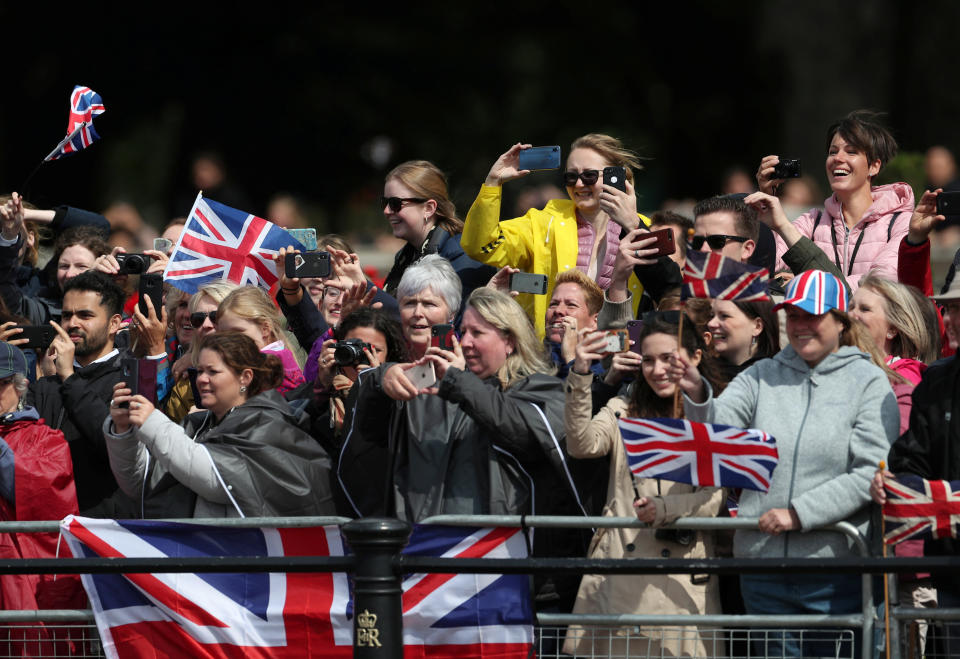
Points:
point(377, 588)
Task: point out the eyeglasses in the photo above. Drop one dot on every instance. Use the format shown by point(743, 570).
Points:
point(716, 241)
point(588, 176)
point(197, 318)
point(332, 292)
point(396, 203)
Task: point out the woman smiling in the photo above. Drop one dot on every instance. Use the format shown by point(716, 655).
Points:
point(861, 226)
point(244, 455)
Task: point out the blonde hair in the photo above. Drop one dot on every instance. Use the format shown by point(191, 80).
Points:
point(904, 314)
point(856, 334)
point(426, 180)
point(610, 149)
point(529, 355)
point(253, 304)
point(592, 292)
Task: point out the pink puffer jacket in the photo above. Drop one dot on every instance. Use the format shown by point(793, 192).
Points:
point(878, 233)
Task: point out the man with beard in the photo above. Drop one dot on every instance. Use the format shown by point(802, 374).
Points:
point(76, 398)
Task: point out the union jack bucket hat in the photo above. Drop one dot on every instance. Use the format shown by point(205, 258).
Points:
point(816, 292)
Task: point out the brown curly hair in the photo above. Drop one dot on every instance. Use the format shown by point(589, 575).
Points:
point(239, 352)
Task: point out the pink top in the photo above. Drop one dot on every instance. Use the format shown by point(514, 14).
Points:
point(585, 238)
point(292, 375)
point(871, 245)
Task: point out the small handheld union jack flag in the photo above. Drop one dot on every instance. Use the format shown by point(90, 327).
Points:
point(85, 104)
point(709, 274)
point(219, 242)
point(918, 508)
point(701, 454)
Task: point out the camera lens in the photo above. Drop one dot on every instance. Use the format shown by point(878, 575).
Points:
point(133, 264)
point(347, 354)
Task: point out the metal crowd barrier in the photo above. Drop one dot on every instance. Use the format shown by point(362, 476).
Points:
point(377, 567)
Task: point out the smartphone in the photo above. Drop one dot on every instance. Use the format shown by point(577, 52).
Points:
point(615, 176)
point(151, 286)
point(525, 282)
point(422, 376)
point(310, 264)
point(192, 373)
point(786, 169)
point(633, 333)
point(441, 336)
point(666, 242)
point(948, 203)
point(140, 376)
point(306, 237)
point(617, 341)
point(38, 337)
point(539, 157)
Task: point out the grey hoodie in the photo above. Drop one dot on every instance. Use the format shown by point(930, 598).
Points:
point(833, 424)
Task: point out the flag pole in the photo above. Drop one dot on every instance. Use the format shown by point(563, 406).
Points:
point(886, 585)
point(56, 150)
point(676, 390)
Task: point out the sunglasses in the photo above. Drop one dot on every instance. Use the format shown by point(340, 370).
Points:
point(588, 176)
point(716, 241)
point(396, 203)
point(332, 292)
point(197, 318)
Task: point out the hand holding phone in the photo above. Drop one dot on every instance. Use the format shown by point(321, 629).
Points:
point(615, 177)
point(525, 282)
point(422, 376)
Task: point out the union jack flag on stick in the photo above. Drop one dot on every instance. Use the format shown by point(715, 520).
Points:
point(85, 104)
point(701, 454)
point(918, 508)
point(708, 274)
point(219, 242)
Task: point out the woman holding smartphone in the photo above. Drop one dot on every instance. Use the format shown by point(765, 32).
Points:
point(652, 500)
point(418, 207)
point(861, 225)
point(582, 232)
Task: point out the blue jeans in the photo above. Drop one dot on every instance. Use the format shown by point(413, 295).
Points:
point(803, 594)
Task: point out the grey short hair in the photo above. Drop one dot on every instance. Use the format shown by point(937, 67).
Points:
point(433, 272)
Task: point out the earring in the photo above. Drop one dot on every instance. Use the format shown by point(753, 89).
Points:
point(243, 388)
point(20, 405)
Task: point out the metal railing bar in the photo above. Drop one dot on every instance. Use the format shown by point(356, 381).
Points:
point(717, 620)
point(48, 615)
point(53, 526)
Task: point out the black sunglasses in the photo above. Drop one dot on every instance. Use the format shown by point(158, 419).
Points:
point(197, 318)
point(396, 203)
point(588, 176)
point(716, 241)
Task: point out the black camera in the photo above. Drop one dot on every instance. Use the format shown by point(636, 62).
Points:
point(786, 169)
point(133, 264)
point(349, 352)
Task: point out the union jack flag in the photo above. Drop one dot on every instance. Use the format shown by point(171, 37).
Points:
point(709, 274)
point(85, 104)
point(220, 242)
point(701, 454)
point(294, 615)
point(918, 508)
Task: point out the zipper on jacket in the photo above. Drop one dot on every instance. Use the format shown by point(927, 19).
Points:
point(796, 453)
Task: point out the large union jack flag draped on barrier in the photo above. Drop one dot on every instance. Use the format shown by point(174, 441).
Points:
point(708, 274)
point(700, 454)
point(918, 508)
point(220, 242)
point(295, 614)
point(85, 104)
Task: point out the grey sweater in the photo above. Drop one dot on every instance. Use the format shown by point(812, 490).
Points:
point(833, 424)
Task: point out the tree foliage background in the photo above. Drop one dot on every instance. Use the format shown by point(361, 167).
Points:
point(301, 99)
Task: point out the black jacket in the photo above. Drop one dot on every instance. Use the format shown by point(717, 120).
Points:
point(930, 447)
point(78, 407)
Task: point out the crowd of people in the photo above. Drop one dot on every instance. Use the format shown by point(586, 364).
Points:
point(445, 391)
